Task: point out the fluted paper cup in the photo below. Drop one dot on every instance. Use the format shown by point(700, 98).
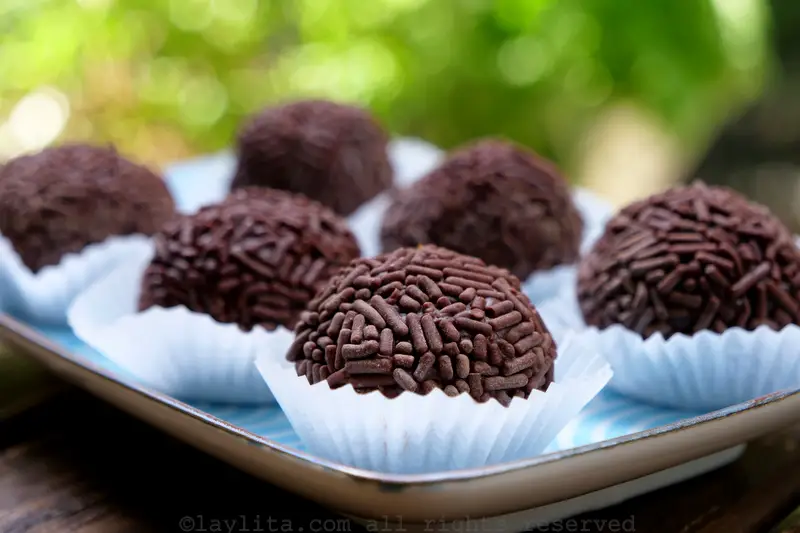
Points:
point(422, 434)
point(700, 372)
point(44, 297)
point(178, 352)
point(595, 212)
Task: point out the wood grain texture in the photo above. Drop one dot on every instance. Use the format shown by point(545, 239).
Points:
point(751, 495)
point(78, 465)
point(75, 464)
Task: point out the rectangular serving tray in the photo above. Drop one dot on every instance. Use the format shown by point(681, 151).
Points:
point(589, 467)
point(514, 495)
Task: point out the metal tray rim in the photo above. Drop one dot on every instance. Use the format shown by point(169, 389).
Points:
point(14, 330)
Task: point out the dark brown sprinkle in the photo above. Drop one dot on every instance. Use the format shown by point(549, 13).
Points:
point(451, 349)
point(723, 262)
point(407, 303)
point(390, 314)
point(497, 349)
point(404, 360)
point(272, 251)
point(63, 199)
point(330, 152)
point(403, 347)
point(482, 187)
point(454, 309)
point(446, 368)
point(386, 344)
point(442, 302)
point(431, 333)
point(429, 287)
point(449, 329)
point(500, 308)
point(467, 295)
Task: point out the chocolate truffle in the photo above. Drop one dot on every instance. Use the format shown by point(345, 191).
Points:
point(333, 153)
point(689, 259)
point(491, 200)
point(254, 259)
point(62, 199)
point(422, 318)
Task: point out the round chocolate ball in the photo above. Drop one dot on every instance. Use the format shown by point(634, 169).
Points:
point(422, 318)
point(333, 153)
point(689, 259)
point(62, 199)
point(254, 259)
point(491, 200)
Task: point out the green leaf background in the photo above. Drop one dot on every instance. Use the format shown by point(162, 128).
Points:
point(166, 79)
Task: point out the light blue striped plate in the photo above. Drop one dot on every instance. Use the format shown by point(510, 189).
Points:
point(608, 416)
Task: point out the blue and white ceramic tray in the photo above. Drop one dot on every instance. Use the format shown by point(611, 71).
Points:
point(615, 449)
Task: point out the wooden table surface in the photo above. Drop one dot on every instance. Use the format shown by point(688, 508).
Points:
point(70, 463)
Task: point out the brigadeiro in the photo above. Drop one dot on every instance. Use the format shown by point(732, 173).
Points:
point(69, 214)
point(689, 259)
point(256, 259)
point(331, 152)
point(440, 334)
point(418, 319)
point(693, 295)
point(63, 199)
point(222, 283)
point(492, 200)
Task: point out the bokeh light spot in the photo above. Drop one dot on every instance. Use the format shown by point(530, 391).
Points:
point(522, 61)
point(162, 80)
point(516, 15)
point(39, 118)
point(98, 5)
point(740, 24)
point(352, 73)
point(237, 12)
point(190, 15)
point(203, 100)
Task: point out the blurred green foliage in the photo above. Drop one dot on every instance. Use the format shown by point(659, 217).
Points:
point(170, 78)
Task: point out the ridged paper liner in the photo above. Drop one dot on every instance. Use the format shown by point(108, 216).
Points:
point(183, 354)
point(701, 372)
point(5, 249)
point(44, 297)
point(421, 434)
point(595, 212)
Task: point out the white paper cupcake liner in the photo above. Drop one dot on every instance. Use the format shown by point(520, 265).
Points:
point(412, 158)
point(5, 249)
point(365, 224)
point(561, 312)
point(44, 297)
point(595, 212)
point(175, 351)
point(701, 372)
point(421, 434)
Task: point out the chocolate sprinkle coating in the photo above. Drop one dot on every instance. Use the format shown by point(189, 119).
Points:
point(333, 153)
point(690, 259)
point(255, 259)
point(62, 199)
point(423, 318)
point(491, 200)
